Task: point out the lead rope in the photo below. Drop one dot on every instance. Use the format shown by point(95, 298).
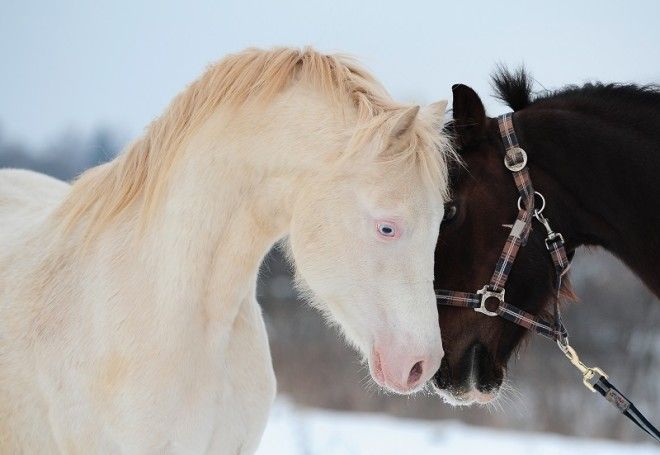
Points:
point(595, 379)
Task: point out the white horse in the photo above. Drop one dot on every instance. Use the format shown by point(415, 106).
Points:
point(128, 317)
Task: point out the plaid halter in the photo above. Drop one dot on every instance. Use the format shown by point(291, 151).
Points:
point(515, 159)
point(595, 379)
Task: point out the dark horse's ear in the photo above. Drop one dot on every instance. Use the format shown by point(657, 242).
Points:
point(469, 116)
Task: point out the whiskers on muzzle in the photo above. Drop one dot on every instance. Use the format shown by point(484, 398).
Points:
point(474, 379)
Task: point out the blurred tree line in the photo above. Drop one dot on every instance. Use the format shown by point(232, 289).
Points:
point(614, 326)
point(66, 157)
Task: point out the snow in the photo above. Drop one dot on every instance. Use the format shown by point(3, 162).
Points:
point(302, 431)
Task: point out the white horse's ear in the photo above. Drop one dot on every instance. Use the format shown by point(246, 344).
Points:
point(398, 135)
point(404, 122)
point(438, 111)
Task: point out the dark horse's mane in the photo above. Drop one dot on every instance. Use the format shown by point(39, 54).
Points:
point(515, 89)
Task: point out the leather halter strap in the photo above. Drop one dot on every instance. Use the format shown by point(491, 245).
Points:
point(515, 159)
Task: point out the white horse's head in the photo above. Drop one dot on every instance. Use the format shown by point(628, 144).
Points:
point(363, 237)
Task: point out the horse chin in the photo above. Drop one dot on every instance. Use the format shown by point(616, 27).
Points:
point(388, 389)
point(470, 388)
point(469, 398)
point(472, 376)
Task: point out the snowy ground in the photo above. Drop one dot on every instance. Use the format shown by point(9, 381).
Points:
point(302, 431)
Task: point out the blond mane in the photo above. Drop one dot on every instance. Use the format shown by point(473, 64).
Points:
point(140, 172)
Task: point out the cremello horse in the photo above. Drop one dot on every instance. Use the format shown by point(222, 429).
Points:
point(128, 318)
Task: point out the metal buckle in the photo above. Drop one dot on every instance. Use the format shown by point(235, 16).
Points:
point(515, 159)
point(551, 238)
point(486, 294)
point(592, 376)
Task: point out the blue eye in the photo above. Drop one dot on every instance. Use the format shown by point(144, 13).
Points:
point(386, 229)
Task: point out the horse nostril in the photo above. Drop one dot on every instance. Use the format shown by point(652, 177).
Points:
point(415, 373)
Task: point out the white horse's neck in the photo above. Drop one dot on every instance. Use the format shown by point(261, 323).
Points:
point(229, 200)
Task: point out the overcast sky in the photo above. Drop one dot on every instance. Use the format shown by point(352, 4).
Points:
point(74, 65)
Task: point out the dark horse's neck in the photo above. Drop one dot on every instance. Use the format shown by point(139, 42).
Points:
point(597, 162)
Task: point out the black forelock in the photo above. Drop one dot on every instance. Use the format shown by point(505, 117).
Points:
point(512, 87)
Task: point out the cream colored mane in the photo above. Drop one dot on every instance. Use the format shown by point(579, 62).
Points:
point(141, 171)
point(156, 342)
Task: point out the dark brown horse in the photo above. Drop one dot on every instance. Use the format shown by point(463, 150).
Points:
point(594, 153)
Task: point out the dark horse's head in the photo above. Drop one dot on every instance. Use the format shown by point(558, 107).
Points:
point(476, 225)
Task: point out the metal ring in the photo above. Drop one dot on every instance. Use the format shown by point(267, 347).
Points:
point(536, 211)
point(486, 294)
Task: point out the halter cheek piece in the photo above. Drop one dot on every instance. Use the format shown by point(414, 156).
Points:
point(515, 159)
point(484, 300)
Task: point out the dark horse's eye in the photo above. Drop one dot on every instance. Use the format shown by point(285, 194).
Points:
point(450, 212)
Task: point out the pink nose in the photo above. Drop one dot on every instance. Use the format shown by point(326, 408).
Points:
point(399, 372)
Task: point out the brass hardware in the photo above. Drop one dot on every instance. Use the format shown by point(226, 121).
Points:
point(590, 375)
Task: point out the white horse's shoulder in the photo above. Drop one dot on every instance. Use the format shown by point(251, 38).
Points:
point(26, 198)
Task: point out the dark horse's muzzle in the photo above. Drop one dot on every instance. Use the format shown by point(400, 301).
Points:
point(475, 377)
